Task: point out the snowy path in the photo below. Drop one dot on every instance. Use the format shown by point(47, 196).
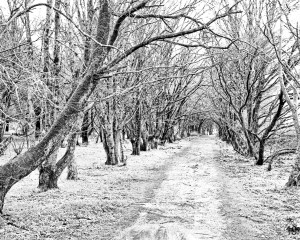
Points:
point(197, 195)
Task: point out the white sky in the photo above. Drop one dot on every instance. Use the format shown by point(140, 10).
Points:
point(39, 13)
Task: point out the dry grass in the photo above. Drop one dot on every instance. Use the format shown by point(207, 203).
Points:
point(263, 201)
point(104, 201)
point(198, 183)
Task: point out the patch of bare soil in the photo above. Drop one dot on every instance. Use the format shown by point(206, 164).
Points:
point(103, 202)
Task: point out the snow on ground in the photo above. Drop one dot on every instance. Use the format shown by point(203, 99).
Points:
point(198, 183)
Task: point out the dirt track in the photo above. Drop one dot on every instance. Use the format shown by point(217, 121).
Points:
point(198, 195)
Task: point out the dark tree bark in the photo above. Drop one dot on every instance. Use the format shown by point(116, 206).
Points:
point(200, 126)
point(268, 130)
point(136, 140)
point(136, 146)
point(92, 120)
point(38, 122)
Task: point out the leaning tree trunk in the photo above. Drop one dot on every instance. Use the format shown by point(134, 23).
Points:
point(23, 164)
point(266, 133)
point(68, 160)
point(50, 180)
point(69, 157)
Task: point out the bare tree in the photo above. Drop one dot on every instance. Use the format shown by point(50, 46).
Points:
point(104, 57)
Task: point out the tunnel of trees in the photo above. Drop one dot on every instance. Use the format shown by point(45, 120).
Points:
point(148, 71)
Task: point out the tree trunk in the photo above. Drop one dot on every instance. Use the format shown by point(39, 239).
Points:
point(144, 145)
point(250, 146)
point(2, 129)
point(261, 150)
point(101, 135)
point(64, 162)
point(92, 120)
point(24, 164)
point(265, 136)
point(72, 170)
point(171, 135)
point(166, 129)
point(136, 146)
point(86, 59)
point(47, 169)
point(70, 159)
point(123, 159)
point(46, 41)
point(295, 174)
point(117, 140)
point(294, 178)
point(3, 191)
point(85, 129)
point(47, 173)
point(108, 143)
point(136, 140)
point(30, 135)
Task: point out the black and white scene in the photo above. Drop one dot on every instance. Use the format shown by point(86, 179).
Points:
point(149, 120)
